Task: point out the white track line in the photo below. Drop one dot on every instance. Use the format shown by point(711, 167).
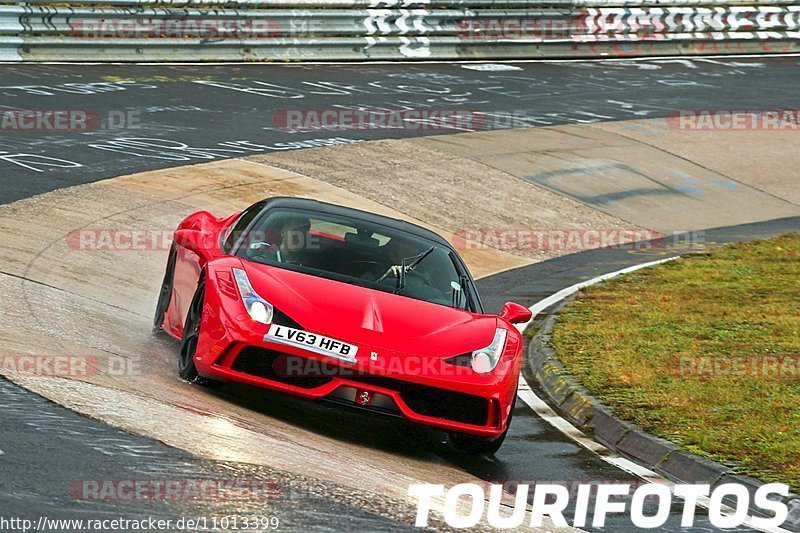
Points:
point(541, 305)
point(543, 410)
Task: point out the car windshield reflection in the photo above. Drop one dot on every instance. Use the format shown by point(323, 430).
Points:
point(357, 252)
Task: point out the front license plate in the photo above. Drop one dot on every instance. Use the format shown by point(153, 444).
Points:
point(312, 342)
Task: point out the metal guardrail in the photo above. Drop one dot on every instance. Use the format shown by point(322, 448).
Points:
point(399, 4)
point(249, 30)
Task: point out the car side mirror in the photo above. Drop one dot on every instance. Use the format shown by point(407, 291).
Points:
point(192, 240)
point(516, 313)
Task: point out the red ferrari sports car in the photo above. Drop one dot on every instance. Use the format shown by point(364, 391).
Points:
point(327, 302)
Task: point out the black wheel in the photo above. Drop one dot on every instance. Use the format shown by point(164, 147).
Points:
point(165, 294)
point(191, 331)
point(472, 444)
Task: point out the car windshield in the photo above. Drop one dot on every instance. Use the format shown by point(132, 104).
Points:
point(357, 252)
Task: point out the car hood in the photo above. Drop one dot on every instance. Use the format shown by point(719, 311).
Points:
point(370, 317)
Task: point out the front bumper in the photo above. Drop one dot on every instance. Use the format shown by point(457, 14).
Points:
point(431, 393)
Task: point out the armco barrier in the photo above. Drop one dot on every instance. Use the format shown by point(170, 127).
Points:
point(249, 30)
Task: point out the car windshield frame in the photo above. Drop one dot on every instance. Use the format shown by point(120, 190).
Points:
point(239, 249)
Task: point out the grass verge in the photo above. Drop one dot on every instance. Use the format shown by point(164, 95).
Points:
point(703, 351)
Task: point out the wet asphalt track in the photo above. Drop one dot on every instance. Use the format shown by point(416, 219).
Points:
point(189, 114)
point(52, 455)
point(164, 116)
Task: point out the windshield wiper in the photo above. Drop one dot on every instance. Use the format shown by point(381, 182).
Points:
point(404, 269)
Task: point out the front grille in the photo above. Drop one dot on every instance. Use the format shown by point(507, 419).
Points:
point(433, 402)
point(422, 399)
point(269, 364)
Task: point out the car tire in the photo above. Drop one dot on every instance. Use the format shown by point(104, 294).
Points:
point(478, 445)
point(191, 332)
point(165, 294)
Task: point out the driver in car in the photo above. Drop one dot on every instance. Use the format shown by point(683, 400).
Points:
point(289, 242)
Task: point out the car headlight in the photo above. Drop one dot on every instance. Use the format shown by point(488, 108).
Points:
point(257, 307)
point(485, 359)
